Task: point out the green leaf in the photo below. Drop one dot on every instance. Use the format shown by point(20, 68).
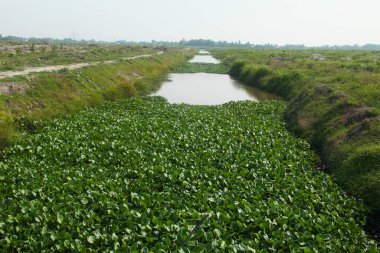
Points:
point(90, 239)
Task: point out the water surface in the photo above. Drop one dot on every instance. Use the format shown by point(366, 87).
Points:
point(204, 59)
point(207, 89)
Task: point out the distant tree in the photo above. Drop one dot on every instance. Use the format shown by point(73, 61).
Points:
point(183, 42)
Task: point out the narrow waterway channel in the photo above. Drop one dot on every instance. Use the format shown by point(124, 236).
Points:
point(204, 59)
point(207, 89)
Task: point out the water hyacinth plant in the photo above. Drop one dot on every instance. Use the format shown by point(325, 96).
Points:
point(141, 174)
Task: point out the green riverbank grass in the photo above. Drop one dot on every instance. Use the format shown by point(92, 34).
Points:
point(24, 55)
point(139, 174)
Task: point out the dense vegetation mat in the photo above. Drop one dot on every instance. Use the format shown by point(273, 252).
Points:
point(143, 175)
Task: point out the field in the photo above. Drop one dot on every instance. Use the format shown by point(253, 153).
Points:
point(141, 174)
point(333, 103)
point(16, 56)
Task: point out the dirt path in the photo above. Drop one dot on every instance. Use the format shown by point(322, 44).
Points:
point(29, 70)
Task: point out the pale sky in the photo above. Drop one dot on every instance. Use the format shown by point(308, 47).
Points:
point(309, 22)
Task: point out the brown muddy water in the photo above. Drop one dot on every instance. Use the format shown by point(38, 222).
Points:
point(207, 89)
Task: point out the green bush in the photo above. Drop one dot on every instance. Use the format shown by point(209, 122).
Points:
point(237, 68)
point(285, 84)
point(365, 159)
point(252, 75)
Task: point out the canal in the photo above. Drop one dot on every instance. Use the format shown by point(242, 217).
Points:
point(206, 88)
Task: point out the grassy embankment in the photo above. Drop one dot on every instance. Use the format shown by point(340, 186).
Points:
point(17, 56)
point(140, 174)
point(333, 102)
point(52, 94)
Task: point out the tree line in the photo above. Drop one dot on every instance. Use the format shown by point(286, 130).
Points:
point(188, 43)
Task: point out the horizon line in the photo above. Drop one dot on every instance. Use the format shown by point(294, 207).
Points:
point(152, 41)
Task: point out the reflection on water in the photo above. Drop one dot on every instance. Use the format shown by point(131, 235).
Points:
point(207, 89)
point(204, 59)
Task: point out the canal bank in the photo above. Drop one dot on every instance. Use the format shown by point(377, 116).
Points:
point(335, 108)
point(47, 96)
